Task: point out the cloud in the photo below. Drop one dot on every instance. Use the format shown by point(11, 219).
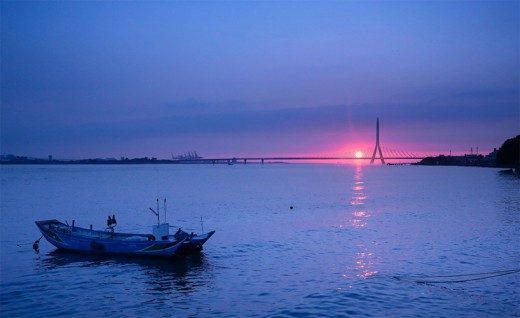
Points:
point(194, 121)
point(206, 122)
point(197, 117)
point(190, 117)
point(477, 97)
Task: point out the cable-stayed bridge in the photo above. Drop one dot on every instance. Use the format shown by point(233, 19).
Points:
point(377, 154)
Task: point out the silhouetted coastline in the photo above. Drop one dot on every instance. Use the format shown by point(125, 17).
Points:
point(465, 160)
point(507, 156)
point(22, 160)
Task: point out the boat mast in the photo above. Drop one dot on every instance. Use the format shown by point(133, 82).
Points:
point(158, 211)
point(158, 221)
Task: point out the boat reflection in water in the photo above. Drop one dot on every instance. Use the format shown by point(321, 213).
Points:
point(57, 258)
point(151, 276)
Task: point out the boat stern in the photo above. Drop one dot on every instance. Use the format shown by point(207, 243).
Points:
point(194, 243)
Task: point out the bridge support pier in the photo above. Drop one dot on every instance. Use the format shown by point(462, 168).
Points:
point(378, 147)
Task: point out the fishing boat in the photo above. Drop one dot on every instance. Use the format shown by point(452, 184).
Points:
point(159, 243)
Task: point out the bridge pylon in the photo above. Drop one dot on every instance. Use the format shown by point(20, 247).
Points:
point(377, 147)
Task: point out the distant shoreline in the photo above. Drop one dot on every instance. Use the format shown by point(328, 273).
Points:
point(126, 161)
point(441, 160)
point(141, 161)
point(104, 162)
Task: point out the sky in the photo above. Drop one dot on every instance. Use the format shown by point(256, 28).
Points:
point(100, 79)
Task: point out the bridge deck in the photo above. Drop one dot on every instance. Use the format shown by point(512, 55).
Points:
point(245, 159)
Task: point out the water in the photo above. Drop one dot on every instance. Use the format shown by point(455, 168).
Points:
point(335, 254)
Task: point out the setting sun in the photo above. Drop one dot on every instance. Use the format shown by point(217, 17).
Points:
point(359, 154)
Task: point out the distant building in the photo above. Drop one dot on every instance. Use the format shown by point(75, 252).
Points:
point(190, 156)
point(492, 156)
point(13, 158)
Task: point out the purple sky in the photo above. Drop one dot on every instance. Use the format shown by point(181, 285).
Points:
point(236, 78)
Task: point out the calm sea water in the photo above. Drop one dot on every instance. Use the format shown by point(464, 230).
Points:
point(335, 254)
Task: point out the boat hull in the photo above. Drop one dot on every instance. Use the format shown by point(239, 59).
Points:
point(82, 240)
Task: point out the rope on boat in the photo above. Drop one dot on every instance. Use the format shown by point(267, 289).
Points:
point(460, 278)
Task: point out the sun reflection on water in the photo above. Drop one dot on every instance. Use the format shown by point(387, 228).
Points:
point(360, 214)
point(362, 262)
point(358, 199)
point(358, 223)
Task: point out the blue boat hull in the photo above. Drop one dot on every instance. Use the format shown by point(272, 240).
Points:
point(78, 239)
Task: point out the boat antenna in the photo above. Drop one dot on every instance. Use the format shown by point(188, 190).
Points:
point(156, 213)
point(201, 224)
point(164, 209)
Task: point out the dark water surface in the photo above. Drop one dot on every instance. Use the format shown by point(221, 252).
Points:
point(335, 254)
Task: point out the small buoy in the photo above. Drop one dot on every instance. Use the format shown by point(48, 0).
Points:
point(36, 245)
point(291, 207)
